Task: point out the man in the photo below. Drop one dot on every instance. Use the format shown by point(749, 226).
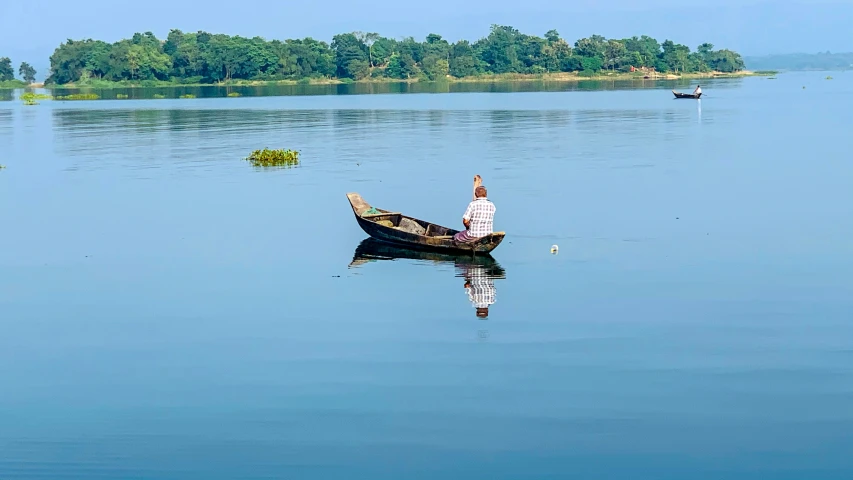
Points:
point(698, 90)
point(478, 218)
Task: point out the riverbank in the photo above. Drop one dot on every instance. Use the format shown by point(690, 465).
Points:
point(495, 78)
point(579, 77)
point(12, 84)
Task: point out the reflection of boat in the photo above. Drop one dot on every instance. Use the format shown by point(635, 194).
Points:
point(400, 229)
point(371, 249)
point(478, 271)
point(686, 95)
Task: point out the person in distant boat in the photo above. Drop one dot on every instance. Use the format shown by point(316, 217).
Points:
point(698, 90)
point(478, 217)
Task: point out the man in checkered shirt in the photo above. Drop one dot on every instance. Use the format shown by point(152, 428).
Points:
point(478, 218)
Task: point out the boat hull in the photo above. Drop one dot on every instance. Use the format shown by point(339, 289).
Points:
point(694, 96)
point(436, 237)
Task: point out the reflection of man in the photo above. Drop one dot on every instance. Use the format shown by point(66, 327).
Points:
point(481, 290)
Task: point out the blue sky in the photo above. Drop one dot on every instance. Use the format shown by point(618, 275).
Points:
point(29, 31)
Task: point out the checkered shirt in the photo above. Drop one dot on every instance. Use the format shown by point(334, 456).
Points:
point(481, 213)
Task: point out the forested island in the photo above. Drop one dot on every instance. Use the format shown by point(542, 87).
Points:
point(205, 58)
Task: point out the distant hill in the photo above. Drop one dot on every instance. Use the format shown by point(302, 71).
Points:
point(801, 61)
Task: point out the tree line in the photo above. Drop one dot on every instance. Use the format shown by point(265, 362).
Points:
point(202, 57)
point(7, 72)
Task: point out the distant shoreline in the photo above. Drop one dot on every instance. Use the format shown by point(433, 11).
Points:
point(12, 84)
point(803, 62)
point(496, 78)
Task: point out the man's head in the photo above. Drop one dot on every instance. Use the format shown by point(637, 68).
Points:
point(483, 312)
point(480, 192)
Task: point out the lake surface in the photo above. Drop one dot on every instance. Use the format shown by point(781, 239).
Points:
point(538, 86)
point(169, 312)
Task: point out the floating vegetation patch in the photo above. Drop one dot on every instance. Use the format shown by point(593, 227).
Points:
point(122, 96)
point(77, 96)
point(159, 96)
point(829, 77)
point(274, 158)
point(187, 95)
point(2, 167)
point(29, 98)
point(235, 94)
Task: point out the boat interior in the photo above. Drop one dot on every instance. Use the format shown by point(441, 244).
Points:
point(407, 224)
point(397, 220)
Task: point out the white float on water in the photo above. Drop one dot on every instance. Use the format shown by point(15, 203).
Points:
point(554, 249)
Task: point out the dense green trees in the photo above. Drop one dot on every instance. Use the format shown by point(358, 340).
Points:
point(27, 72)
point(351, 56)
point(203, 57)
point(6, 71)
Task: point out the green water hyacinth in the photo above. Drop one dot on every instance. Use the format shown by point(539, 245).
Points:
point(29, 98)
point(187, 95)
point(78, 96)
point(235, 94)
point(159, 96)
point(122, 96)
point(274, 158)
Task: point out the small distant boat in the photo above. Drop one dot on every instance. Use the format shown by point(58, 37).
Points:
point(397, 228)
point(686, 95)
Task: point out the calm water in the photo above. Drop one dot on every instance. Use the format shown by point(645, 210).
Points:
point(169, 312)
point(212, 91)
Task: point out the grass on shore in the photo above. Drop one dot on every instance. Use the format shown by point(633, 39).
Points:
point(12, 84)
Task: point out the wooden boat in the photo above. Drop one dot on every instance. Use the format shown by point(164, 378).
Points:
point(385, 225)
point(686, 95)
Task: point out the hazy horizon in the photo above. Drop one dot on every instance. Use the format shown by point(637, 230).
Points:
point(751, 27)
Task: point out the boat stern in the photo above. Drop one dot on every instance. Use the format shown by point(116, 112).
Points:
point(358, 204)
